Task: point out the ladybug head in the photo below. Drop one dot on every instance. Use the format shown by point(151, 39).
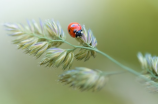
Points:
point(78, 33)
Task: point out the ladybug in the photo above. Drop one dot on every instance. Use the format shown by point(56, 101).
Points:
point(75, 30)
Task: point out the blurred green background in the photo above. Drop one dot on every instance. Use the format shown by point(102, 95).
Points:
point(122, 28)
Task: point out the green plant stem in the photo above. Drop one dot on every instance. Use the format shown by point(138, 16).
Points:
point(95, 49)
point(113, 73)
point(127, 69)
point(104, 54)
point(116, 62)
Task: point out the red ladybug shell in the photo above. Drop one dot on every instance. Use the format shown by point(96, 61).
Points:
point(74, 26)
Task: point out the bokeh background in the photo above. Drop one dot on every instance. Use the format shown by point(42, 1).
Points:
point(122, 28)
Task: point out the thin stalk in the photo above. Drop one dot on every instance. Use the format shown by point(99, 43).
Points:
point(91, 48)
point(124, 67)
point(113, 73)
point(98, 51)
point(116, 62)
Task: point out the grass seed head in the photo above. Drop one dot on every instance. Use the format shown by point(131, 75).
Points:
point(150, 65)
point(68, 60)
point(84, 79)
point(58, 57)
point(87, 39)
point(34, 38)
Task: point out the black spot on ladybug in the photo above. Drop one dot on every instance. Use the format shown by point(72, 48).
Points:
point(69, 30)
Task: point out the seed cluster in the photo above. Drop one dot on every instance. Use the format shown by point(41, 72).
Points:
point(34, 38)
point(87, 40)
point(57, 56)
point(149, 65)
point(84, 79)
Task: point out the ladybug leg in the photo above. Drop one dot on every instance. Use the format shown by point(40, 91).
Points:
point(78, 36)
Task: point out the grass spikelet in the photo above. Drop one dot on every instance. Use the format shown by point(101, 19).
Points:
point(71, 61)
point(149, 63)
point(54, 30)
point(58, 57)
point(150, 66)
point(151, 84)
point(21, 38)
point(12, 27)
point(84, 79)
point(85, 54)
point(68, 60)
point(17, 34)
point(41, 51)
point(27, 43)
point(51, 56)
point(36, 27)
point(81, 54)
point(35, 38)
point(36, 47)
point(87, 40)
point(88, 55)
